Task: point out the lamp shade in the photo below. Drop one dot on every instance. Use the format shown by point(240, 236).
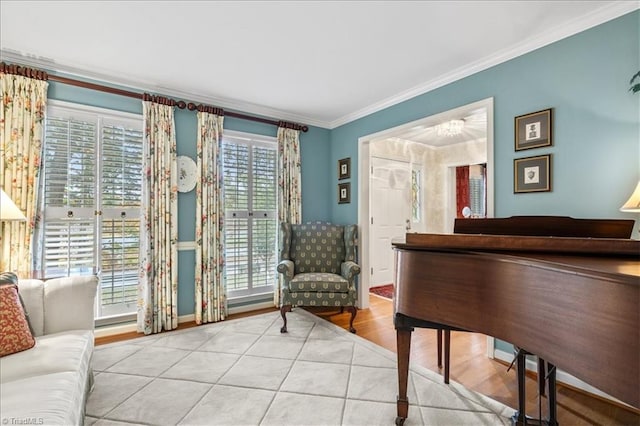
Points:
point(8, 209)
point(633, 203)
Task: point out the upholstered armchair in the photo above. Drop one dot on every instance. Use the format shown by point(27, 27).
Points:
point(318, 267)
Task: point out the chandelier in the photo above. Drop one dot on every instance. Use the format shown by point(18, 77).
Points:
point(450, 128)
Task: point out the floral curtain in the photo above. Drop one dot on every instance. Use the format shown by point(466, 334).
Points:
point(21, 132)
point(158, 276)
point(289, 182)
point(211, 298)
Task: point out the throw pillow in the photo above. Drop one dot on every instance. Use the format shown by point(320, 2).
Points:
point(11, 278)
point(16, 335)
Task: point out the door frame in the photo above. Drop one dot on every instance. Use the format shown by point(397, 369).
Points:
point(364, 165)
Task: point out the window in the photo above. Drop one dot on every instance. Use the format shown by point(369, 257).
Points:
point(250, 226)
point(92, 190)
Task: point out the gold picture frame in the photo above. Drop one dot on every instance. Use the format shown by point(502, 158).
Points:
point(532, 174)
point(534, 130)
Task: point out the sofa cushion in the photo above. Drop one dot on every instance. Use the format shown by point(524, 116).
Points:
point(11, 278)
point(49, 399)
point(16, 335)
point(53, 353)
point(32, 293)
point(62, 314)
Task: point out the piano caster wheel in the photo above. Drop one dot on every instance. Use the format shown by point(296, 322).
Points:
point(400, 421)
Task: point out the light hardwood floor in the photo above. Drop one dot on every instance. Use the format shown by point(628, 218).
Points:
point(469, 366)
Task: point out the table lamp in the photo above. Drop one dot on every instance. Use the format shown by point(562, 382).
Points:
point(8, 210)
point(633, 203)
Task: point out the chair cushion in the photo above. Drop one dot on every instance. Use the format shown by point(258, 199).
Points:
point(317, 247)
point(321, 282)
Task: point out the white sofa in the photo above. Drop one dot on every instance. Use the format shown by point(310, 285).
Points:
point(49, 383)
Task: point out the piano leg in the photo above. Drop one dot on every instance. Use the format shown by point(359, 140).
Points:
point(439, 337)
point(553, 412)
point(447, 354)
point(542, 376)
point(520, 418)
point(403, 336)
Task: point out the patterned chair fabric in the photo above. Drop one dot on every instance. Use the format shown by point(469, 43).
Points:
point(317, 266)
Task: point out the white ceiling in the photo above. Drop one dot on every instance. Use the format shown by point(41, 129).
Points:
point(322, 63)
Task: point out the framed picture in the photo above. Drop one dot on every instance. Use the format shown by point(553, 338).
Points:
point(344, 168)
point(532, 174)
point(533, 130)
point(344, 193)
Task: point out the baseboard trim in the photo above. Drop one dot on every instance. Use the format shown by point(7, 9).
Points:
point(564, 378)
point(250, 307)
point(132, 327)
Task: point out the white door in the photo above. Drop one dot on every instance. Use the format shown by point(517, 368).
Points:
point(390, 208)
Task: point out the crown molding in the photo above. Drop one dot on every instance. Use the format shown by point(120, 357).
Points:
point(57, 68)
point(597, 17)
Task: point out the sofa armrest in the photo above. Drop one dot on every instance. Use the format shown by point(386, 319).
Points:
point(285, 267)
point(348, 270)
point(69, 303)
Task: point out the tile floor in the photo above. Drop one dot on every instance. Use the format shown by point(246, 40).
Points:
point(244, 372)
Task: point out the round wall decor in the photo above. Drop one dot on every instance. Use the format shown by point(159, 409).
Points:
point(187, 173)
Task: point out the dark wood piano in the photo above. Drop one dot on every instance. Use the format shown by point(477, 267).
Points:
point(572, 301)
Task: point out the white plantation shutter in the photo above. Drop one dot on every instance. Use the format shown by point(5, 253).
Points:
point(69, 247)
point(264, 224)
point(121, 166)
point(69, 196)
point(92, 185)
point(250, 188)
point(121, 194)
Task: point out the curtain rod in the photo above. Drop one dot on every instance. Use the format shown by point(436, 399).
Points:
point(42, 75)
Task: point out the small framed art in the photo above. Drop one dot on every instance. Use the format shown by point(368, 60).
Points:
point(532, 174)
point(344, 168)
point(344, 193)
point(533, 130)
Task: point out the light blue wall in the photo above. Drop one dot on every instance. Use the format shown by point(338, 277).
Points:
point(596, 149)
point(314, 147)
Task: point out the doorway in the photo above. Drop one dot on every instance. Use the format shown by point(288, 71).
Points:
point(420, 143)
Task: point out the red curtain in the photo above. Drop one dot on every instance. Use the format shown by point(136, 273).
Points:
point(462, 189)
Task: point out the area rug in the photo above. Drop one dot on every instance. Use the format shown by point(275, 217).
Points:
point(245, 372)
point(385, 291)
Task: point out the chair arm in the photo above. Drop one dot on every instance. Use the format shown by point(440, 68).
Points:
point(349, 269)
point(285, 267)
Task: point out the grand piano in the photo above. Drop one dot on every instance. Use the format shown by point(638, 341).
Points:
point(572, 301)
